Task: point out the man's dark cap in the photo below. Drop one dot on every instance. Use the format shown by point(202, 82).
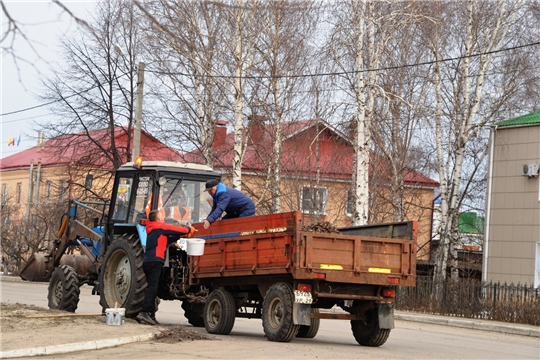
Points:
point(210, 184)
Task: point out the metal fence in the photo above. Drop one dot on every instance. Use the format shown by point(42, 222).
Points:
point(473, 299)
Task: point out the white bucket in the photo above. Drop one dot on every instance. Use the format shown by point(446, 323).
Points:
point(115, 316)
point(195, 247)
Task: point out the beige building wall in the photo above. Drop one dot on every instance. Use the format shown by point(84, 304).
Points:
point(418, 204)
point(54, 186)
point(15, 188)
point(513, 239)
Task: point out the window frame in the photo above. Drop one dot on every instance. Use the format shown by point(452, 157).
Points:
point(48, 192)
point(62, 190)
point(4, 193)
point(323, 191)
point(349, 201)
point(18, 194)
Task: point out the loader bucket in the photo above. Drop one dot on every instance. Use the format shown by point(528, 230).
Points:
point(39, 267)
point(35, 269)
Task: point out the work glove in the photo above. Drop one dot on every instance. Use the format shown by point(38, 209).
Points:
point(191, 231)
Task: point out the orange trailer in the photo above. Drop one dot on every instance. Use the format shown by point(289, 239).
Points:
point(268, 267)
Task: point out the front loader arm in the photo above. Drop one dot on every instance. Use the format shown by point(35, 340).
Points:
point(75, 230)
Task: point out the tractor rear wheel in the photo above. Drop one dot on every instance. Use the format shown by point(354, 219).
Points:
point(219, 312)
point(122, 281)
point(309, 332)
point(367, 331)
point(193, 313)
point(277, 311)
point(64, 289)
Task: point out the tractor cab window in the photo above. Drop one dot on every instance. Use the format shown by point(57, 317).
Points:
point(143, 198)
point(184, 201)
point(123, 192)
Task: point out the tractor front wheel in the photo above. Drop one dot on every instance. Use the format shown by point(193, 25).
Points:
point(122, 281)
point(64, 289)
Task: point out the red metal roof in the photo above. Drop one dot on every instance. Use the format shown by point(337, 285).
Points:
point(78, 147)
point(299, 152)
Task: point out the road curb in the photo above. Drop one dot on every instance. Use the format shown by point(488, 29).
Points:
point(73, 347)
point(487, 325)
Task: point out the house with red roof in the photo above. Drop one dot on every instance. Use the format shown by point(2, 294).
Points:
point(56, 169)
point(316, 172)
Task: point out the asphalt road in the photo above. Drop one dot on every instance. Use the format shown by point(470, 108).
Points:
point(410, 340)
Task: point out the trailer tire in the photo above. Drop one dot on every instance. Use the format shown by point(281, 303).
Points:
point(277, 311)
point(219, 312)
point(64, 289)
point(193, 313)
point(122, 281)
point(309, 332)
point(367, 332)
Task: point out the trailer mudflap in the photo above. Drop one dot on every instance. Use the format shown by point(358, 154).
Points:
point(386, 316)
point(301, 314)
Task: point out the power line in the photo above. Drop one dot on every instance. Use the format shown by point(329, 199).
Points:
point(27, 118)
point(30, 108)
point(295, 76)
point(352, 71)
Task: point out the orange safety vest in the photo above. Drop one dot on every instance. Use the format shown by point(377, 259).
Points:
point(149, 206)
point(174, 213)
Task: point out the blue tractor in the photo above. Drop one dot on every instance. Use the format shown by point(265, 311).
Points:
point(108, 254)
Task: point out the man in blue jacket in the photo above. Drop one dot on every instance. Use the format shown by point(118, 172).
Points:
point(231, 201)
point(159, 237)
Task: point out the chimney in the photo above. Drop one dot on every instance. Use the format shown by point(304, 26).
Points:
point(220, 132)
point(40, 141)
point(256, 125)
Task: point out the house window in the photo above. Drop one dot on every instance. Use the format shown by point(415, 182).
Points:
point(18, 193)
point(62, 192)
point(314, 200)
point(350, 203)
point(48, 192)
point(4, 193)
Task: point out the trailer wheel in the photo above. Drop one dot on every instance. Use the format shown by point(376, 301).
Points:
point(64, 289)
point(193, 313)
point(277, 313)
point(367, 332)
point(309, 332)
point(219, 312)
point(122, 281)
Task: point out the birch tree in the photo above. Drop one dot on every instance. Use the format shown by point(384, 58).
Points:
point(283, 49)
point(468, 94)
point(402, 92)
point(183, 46)
point(357, 46)
point(239, 33)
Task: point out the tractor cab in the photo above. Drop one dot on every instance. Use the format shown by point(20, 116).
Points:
point(176, 189)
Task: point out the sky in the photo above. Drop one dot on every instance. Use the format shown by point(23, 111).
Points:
point(43, 23)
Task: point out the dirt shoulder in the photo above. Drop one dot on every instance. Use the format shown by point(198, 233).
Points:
point(27, 326)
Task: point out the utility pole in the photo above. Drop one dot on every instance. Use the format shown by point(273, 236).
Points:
point(138, 113)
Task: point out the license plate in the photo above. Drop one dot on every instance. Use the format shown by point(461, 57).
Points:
point(302, 297)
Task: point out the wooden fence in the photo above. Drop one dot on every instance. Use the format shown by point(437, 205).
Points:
point(473, 299)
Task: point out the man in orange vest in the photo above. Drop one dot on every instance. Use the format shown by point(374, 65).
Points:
point(179, 209)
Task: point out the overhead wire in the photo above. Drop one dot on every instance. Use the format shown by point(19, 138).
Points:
point(294, 75)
